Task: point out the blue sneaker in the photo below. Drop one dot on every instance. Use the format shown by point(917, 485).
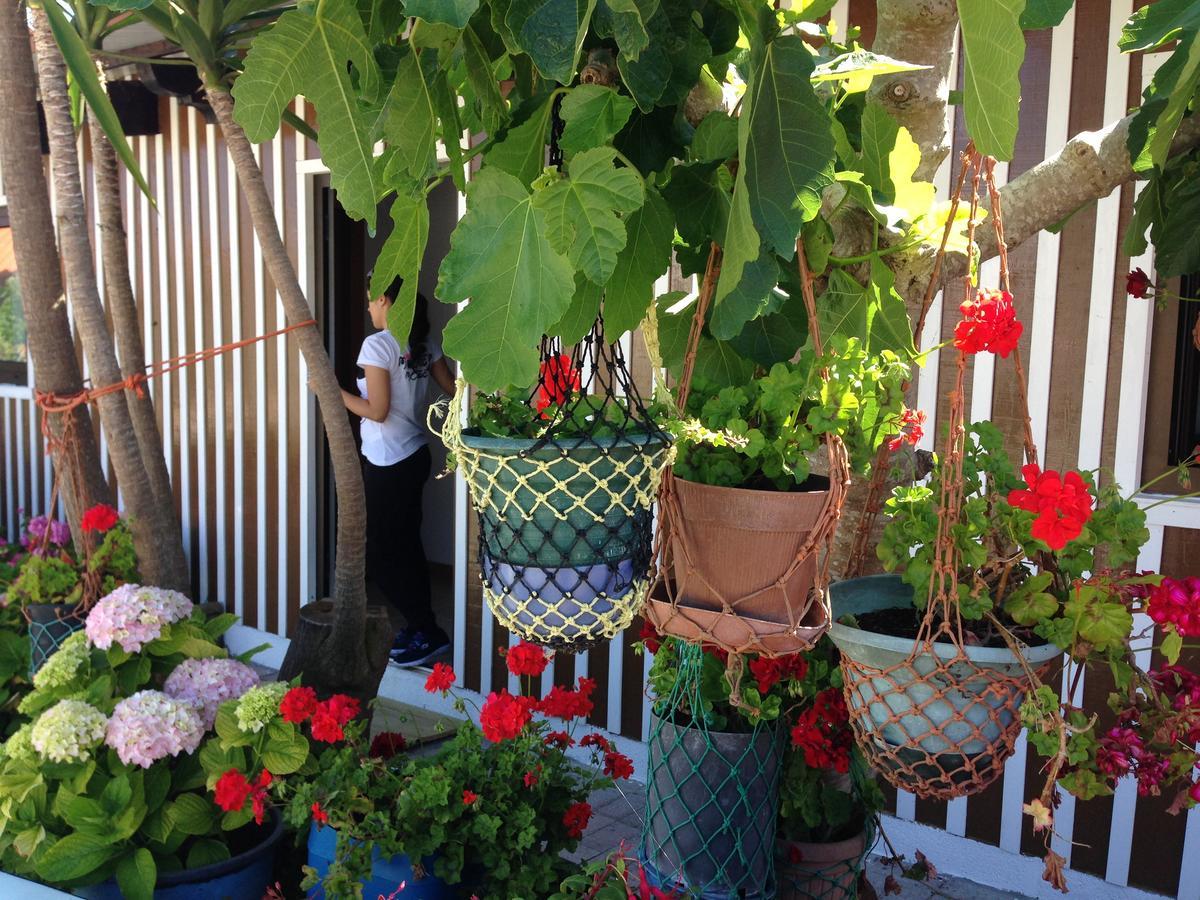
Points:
point(403, 639)
point(422, 647)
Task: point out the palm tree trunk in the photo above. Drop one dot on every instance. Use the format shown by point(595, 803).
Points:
point(348, 656)
point(160, 554)
point(123, 308)
point(55, 366)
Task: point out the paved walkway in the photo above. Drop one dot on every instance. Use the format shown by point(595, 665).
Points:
point(617, 816)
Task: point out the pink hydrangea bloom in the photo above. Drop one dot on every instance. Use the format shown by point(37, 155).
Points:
point(207, 683)
point(133, 615)
point(150, 726)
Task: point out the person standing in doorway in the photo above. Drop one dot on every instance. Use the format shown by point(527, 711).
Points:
point(392, 398)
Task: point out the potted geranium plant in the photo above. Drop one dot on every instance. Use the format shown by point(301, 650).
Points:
point(712, 796)
point(563, 476)
point(491, 811)
point(59, 575)
point(745, 501)
point(828, 798)
point(108, 779)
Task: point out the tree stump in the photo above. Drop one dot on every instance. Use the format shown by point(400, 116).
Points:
point(356, 671)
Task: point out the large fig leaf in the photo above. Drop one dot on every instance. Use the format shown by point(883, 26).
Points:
point(446, 12)
point(521, 151)
point(551, 32)
point(994, 48)
point(518, 284)
point(401, 254)
point(644, 258)
point(306, 52)
point(583, 211)
point(593, 115)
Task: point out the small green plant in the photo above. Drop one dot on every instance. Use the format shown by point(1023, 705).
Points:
point(762, 434)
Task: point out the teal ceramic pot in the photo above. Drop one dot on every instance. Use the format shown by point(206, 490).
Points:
point(933, 705)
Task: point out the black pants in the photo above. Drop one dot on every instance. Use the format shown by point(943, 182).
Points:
point(395, 556)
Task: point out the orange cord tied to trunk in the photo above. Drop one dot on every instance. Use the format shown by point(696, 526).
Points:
point(66, 445)
point(762, 587)
point(942, 723)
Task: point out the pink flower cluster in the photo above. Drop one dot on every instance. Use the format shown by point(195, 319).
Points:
point(133, 616)
point(1181, 685)
point(150, 726)
point(207, 683)
point(1123, 752)
point(1176, 602)
point(35, 534)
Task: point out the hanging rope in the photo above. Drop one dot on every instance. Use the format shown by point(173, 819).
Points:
point(939, 724)
point(66, 446)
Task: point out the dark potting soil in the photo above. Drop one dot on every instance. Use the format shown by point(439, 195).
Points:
point(906, 623)
point(810, 484)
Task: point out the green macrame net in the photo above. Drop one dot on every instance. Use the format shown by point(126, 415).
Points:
point(45, 637)
point(712, 798)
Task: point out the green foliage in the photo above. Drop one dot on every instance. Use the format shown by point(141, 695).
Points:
point(58, 577)
point(994, 49)
point(761, 434)
point(12, 322)
point(1040, 14)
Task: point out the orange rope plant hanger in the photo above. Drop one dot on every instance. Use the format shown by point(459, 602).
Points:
point(942, 722)
point(768, 595)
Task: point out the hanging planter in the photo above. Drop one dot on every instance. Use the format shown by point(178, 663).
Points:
point(939, 723)
point(711, 809)
point(564, 502)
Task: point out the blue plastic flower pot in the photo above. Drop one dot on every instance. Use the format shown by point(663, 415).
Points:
point(386, 874)
point(246, 875)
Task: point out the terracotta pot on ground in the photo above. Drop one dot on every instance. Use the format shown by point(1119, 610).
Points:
point(825, 871)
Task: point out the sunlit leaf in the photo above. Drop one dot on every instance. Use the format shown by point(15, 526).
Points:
point(994, 49)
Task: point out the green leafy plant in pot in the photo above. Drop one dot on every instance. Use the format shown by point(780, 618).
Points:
point(563, 477)
point(746, 513)
point(59, 578)
point(829, 800)
point(712, 792)
point(110, 773)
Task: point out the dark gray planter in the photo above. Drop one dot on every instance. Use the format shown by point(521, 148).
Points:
point(711, 808)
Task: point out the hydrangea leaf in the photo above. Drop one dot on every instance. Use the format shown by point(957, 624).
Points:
point(593, 115)
point(447, 12)
point(136, 874)
point(306, 52)
point(644, 258)
point(551, 32)
point(995, 48)
point(583, 211)
point(518, 284)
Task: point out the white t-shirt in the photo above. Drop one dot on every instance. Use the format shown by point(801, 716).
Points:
point(404, 431)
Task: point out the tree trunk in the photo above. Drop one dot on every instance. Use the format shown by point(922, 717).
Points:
point(160, 554)
point(347, 658)
point(55, 366)
point(128, 330)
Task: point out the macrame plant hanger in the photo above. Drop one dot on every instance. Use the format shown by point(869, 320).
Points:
point(938, 724)
point(565, 522)
point(796, 622)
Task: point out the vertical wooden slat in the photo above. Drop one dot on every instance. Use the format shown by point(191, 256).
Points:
point(200, 418)
point(282, 386)
point(260, 408)
point(217, 303)
point(184, 472)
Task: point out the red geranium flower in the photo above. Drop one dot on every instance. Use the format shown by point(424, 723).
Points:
point(989, 323)
point(557, 381)
point(387, 744)
point(595, 739)
point(562, 703)
point(650, 636)
point(559, 739)
point(325, 727)
point(258, 795)
point(576, 819)
point(913, 420)
point(319, 815)
point(526, 659)
point(503, 716)
point(469, 797)
point(441, 679)
point(100, 517)
point(822, 732)
point(231, 790)
point(531, 779)
point(298, 704)
point(1063, 505)
point(1137, 284)
point(618, 766)
point(342, 707)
